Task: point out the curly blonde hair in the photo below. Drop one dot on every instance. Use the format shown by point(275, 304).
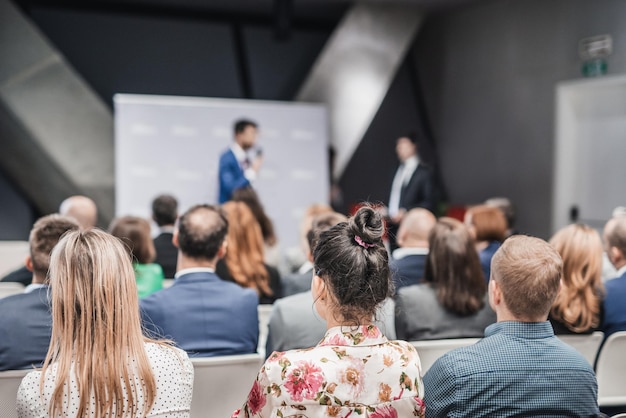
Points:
point(577, 305)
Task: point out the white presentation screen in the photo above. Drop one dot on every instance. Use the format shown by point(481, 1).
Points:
point(166, 144)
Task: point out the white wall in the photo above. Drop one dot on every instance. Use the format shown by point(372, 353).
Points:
point(166, 144)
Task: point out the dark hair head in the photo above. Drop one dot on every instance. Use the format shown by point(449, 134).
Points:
point(248, 196)
point(201, 232)
point(46, 233)
point(242, 124)
point(165, 210)
point(453, 267)
point(134, 232)
point(351, 259)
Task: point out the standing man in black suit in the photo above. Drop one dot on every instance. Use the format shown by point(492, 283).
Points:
point(412, 186)
point(25, 319)
point(164, 213)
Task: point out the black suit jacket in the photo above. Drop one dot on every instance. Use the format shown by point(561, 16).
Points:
point(407, 270)
point(166, 254)
point(25, 329)
point(418, 192)
point(21, 275)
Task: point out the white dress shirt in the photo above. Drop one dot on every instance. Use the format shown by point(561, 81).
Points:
point(401, 179)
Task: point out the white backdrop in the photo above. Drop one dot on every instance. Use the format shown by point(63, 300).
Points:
point(167, 144)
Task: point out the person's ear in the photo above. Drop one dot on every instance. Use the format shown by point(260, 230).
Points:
point(615, 255)
point(495, 294)
point(221, 253)
point(175, 238)
point(28, 261)
point(318, 287)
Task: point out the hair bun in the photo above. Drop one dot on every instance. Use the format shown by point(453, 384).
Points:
point(368, 225)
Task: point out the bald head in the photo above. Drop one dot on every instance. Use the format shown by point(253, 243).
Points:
point(415, 228)
point(81, 208)
point(615, 240)
point(201, 232)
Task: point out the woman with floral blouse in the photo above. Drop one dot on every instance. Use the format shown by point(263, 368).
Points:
point(354, 371)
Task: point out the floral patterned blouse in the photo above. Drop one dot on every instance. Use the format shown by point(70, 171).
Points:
point(353, 371)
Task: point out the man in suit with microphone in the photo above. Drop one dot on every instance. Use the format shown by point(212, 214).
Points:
point(239, 165)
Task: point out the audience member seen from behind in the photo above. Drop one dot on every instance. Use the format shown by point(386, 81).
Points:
point(578, 306)
point(80, 208)
point(520, 368)
point(354, 370)
point(99, 363)
point(271, 250)
point(293, 322)
point(408, 261)
point(453, 302)
point(614, 306)
point(298, 258)
point(25, 321)
point(244, 263)
point(164, 213)
point(488, 226)
point(507, 209)
point(204, 315)
point(134, 232)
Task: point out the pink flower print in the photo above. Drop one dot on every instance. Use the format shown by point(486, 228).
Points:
point(276, 356)
point(303, 381)
point(370, 331)
point(386, 411)
point(256, 398)
point(420, 407)
point(336, 339)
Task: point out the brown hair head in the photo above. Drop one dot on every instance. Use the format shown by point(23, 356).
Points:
point(578, 303)
point(529, 271)
point(248, 196)
point(244, 257)
point(44, 236)
point(134, 232)
point(453, 268)
point(489, 223)
point(351, 259)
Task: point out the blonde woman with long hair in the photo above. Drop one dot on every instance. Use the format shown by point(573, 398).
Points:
point(578, 306)
point(244, 262)
point(99, 364)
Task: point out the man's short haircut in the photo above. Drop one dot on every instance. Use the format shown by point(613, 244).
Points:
point(242, 124)
point(46, 232)
point(201, 232)
point(529, 271)
point(616, 233)
point(165, 209)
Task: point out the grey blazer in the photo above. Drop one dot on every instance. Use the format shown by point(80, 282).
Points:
point(419, 316)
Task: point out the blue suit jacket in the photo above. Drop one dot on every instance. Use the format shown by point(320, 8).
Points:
point(25, 329)
point(407, 270)
point(614, 307)
point(230, 175)
point(204, 315)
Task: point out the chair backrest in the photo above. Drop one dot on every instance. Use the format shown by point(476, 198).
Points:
point(10, 288)
point(587, 345)
point(9, 383)
point(430, 351)
point(221, 384)
point(264, 319)
point(12, 254)
point(611, 371)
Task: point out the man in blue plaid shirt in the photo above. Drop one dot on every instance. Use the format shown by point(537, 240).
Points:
point(520, 368)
